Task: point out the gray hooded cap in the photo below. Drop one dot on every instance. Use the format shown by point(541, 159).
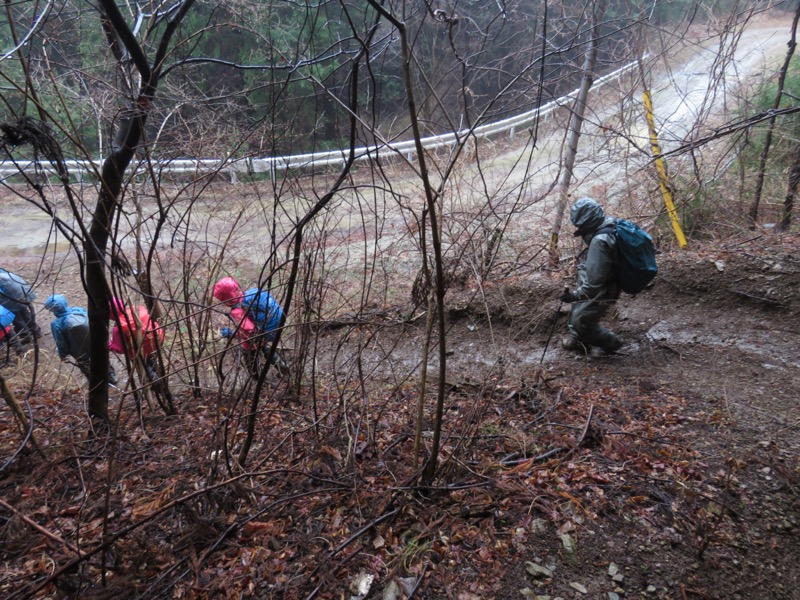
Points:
point(586, 215)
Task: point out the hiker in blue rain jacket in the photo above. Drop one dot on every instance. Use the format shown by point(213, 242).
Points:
point(597, 287)
point(261, 309)
point(70, 330)
point(16, 295)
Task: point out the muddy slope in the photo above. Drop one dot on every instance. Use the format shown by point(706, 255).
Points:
point(719, 330)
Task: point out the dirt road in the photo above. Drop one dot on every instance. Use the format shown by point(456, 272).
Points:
point(614, 146)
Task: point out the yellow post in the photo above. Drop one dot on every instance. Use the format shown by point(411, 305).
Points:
point(661, 167)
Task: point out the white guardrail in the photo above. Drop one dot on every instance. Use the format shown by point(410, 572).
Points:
point(273, 164)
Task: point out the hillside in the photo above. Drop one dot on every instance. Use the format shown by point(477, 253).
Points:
point(672, 464)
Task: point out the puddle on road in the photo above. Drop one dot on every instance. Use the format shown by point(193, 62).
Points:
point(32, 249)
point(26, 232)
point(764, 344)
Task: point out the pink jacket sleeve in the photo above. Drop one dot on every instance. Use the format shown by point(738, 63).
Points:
point(115, 343)
point(246, 328)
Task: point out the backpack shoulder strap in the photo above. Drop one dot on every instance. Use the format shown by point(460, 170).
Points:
point(611, 228)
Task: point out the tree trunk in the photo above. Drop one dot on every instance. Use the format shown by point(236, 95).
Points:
point(97, 288)
point(788, 202)
point(8, 395)
point(127, 139)
point(762, 165)
point(575, 125)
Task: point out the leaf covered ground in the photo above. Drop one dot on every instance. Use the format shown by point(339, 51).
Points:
point(667, 471)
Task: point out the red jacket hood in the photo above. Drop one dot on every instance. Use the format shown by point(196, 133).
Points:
point(227, 291)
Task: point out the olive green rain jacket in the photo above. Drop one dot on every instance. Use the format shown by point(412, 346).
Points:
point(597, 271)
point(596, 287)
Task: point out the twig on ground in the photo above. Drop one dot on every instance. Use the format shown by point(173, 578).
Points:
point(759, 298)
point(511, 460)
point(400, 439)
point(8, 395)
point(701, 593)
point(358, 533)
point(548, 411)
point(39, 528)
point(586, 427)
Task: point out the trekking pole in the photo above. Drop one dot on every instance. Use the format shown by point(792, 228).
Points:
point(552, 327)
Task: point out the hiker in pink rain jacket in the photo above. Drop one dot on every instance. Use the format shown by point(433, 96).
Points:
point(138, 336)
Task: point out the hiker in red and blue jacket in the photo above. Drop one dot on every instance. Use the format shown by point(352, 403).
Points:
point(17, 296)
point(6, 319)
point(597, 286)
point(70, 330)
point(257, 317)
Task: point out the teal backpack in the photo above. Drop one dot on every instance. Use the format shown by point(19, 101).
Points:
point(637, 256)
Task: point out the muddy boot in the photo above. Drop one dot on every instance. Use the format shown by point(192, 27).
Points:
point(252, 363)
point(277, 361)
point(606, 351)
point(151, 369)
point(255, 372)
point(573, 344)
point(613, 346)
point(280, 364)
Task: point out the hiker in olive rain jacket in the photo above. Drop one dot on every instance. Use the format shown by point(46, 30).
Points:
point(257, 317)
point(70, 329)
point(597, 286)
point(16, 295)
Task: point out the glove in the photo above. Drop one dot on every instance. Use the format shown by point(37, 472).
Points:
point(567, 296)
point(121, 266)
point(227, 332)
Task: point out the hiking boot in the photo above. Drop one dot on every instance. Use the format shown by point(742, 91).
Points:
point(609, 350)
point(280, 364)
point(613, 346)
point(573, 344)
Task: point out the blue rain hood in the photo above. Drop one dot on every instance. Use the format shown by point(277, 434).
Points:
point(57, 304)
